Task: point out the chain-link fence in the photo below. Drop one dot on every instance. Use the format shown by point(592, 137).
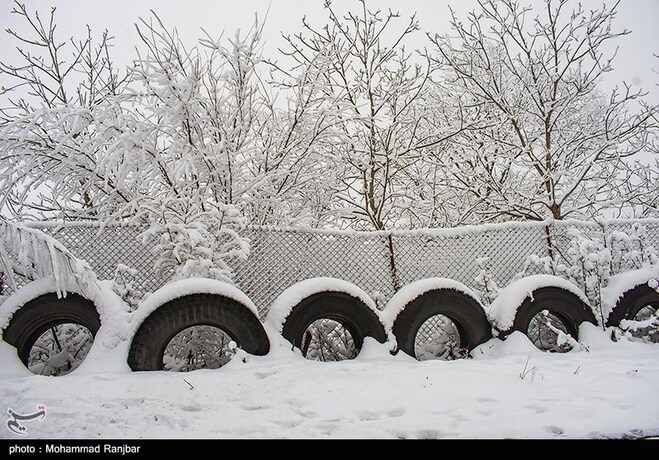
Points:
point(378, 262)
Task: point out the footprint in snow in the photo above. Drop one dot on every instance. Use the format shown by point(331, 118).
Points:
point(187, 408)
point(554, 430)
point(396, 412)
point(287, 423)
point(536, 408)
point(368, 416)
point(254, 408)
point(305, 413)
point(429, 434)
point(264, 375)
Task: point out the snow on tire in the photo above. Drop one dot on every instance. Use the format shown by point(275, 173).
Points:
point(555, 305)
point(465, 313)
point(633, 301)
point(47, 313)
point(350, 312)
point(636, 304)
point(160, 327)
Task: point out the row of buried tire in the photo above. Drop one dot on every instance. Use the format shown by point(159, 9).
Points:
point(459, 314)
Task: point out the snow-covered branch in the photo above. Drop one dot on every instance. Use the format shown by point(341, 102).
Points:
point(31, 254)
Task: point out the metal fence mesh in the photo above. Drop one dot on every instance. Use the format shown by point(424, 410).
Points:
point(279, 258)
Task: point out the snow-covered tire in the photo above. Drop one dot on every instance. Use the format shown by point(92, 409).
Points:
point(156, 331)
point(565, 305)
point(44, 312)
point(465, 312)
point(631, 302)
point(351, 312)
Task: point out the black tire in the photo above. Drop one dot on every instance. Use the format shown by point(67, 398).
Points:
point(44, 312)
point(158, 329)
point(632, 302)
point(352, 313)
point(465, 312)
point(565, 305)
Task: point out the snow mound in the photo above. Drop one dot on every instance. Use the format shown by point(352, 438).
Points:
point(109, 351)
point(374, 351)
point(515, 344)
point(12, 366)
point(594, 337)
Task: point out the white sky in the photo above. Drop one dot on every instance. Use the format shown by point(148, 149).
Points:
point(635, 62)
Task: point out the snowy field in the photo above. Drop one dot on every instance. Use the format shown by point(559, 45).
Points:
point(508, 390)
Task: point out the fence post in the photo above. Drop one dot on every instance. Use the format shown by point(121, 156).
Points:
point(602, 281)
point(392, 263)
point(605, 242)
point(550, 246)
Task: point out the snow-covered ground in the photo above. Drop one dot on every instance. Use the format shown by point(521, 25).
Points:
point(508, 390)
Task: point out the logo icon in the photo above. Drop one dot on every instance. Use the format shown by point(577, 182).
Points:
point(14, 423)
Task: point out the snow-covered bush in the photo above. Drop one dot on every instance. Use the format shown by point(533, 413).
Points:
point(438, 338)
point(328, 340)
point(198, 347)
point(631, 251)
point(197, 244)
point(589, 260)
point(123, 284)
point(587, 264)
point(487, 287)
point(60, 350)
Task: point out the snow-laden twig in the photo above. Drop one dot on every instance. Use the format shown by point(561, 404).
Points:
point(632, 325)
point(563, 339)
point(526, 371)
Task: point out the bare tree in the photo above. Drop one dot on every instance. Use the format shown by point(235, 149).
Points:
point(641, 189)
point(377, 87)
point(291, 180)
point(554, 144)
point(54, 122)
